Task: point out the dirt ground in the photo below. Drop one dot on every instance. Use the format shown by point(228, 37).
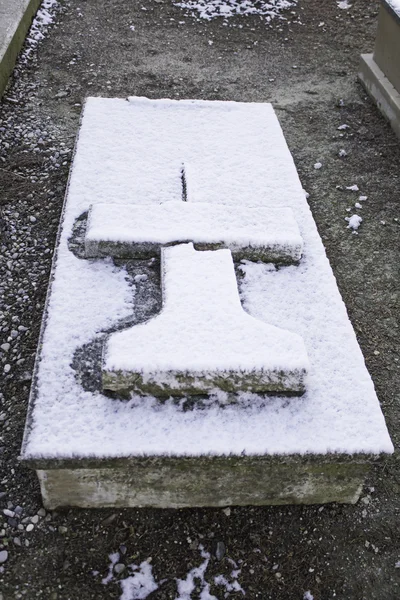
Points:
point(307, 67)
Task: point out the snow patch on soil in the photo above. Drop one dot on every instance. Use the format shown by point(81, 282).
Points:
point(210, 9)
point(40, 24)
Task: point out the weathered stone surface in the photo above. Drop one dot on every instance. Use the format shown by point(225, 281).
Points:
point(387, 44)
point(380, 71)
point(381, 90)
point(171, 482)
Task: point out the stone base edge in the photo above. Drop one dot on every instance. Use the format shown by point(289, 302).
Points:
point(166, 482)
point(15, 40)
point(381, 90)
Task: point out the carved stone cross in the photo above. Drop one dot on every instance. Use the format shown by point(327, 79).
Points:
point(202, 340)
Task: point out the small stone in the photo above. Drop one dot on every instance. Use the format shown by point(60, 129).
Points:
point(9, 513)
point(30, 527)
point(17, 541)
point(35, 519)
point(32, 219)
point(5, 347)
point(3, 556)
point(41, 512)
point(317, 165)
point(220, 551)
point(7, 368)
point(62, 529)
point(119, 567)
point(227, 511)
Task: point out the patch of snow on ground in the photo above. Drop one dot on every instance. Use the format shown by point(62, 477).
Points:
point(188, 585)
point(344, 4)
point(210, 9)
point(114, 558)
point(354, 222)
point(139, 585)
point(44, 18)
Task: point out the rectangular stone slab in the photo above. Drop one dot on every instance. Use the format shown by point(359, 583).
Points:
point(252, 233)
point(128, 152)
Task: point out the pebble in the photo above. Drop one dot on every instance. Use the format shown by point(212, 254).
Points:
point(3, 556)
point(220, 551)
point(119, 567)
point(30, 527)
point(227, 511)
point(62, 529)
point(17, 541)
point(35, 519)
point(8, 513)
point(5, 347)
point(41, 512)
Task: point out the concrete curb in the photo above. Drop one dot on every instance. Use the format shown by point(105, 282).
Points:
point(15, 19)
point(381, 90)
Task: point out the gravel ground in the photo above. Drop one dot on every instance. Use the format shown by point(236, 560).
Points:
point(307, 67)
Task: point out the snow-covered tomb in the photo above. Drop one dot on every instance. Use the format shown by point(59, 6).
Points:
point(195, 350)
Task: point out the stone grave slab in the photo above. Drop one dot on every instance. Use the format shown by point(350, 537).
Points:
point(91, 448)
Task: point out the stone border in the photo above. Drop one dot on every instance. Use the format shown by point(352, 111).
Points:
point(22, 14)
point(378, 86)
point(380, 71)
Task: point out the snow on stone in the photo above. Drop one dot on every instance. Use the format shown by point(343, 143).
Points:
point(210, 9)
point(354, 222)
point(139, 585)
point(203, 332)
point(352, 188)
point(128, 152)
point(395, 4)
point(244, 230)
